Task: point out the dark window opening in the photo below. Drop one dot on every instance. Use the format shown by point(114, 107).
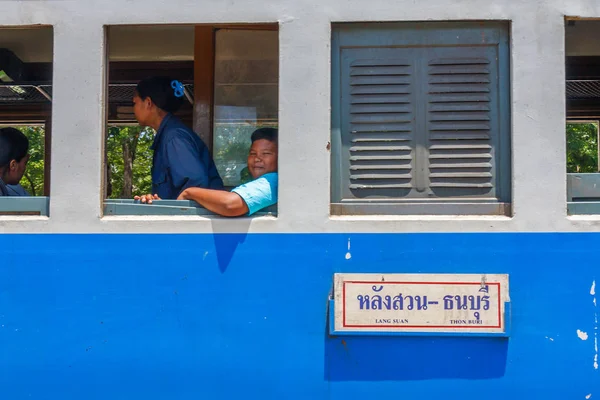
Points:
point(583, 113)
point(26, 104)
point(230, 76)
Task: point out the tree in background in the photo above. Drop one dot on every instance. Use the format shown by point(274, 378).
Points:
point(129, 159)
point(582, 147)
point(33, 179)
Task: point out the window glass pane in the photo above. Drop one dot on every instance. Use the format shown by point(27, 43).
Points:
point(246, 96)
point(582, 147)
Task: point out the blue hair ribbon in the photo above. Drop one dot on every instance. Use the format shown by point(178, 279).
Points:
point(177, 88)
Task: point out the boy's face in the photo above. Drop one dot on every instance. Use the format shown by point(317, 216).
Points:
point(262, 158)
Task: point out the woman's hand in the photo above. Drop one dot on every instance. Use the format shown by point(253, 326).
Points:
point(147, 198)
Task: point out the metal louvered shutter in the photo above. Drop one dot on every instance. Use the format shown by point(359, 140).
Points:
point(378, 94)
point(462, 122)
point(420, 119)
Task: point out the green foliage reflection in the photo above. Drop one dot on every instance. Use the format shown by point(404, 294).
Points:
point(582, 147)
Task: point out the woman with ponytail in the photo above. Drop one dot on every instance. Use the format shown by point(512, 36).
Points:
point(181, 159)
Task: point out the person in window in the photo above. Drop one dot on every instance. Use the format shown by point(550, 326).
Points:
point(181, 159)
point(14, 146)
point(250, 197)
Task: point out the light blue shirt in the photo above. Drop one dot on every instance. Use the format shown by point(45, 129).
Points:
point(259, 193)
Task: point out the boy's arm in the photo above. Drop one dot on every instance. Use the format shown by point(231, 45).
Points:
point(227, 204)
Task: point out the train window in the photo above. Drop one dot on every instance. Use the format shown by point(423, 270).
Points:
point(583, 112)
point(421, 118)
point(226, 77)
point(25, 119)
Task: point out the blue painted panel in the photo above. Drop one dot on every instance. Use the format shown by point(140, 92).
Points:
point(245, 316)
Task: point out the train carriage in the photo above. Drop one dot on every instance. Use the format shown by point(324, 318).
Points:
point(419, 144)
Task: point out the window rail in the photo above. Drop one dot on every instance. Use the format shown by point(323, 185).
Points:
point(458, 207)
point(583, 194)
point(121, 207)
point(17, 205)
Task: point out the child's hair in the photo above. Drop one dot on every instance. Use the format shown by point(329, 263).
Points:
point(269, 134)
point(13, 146)
point(162, 92)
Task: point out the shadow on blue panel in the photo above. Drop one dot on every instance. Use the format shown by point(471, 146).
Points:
point(227, 243)
point(225, 246)
point(398, 358)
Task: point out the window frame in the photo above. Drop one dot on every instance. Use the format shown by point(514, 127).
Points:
point(203, 119)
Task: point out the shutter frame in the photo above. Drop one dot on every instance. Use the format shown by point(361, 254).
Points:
point(433, 177)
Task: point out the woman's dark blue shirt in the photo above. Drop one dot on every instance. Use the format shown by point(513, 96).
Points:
point(181, 160)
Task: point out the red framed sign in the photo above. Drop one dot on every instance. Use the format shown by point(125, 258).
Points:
point(420, 303)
